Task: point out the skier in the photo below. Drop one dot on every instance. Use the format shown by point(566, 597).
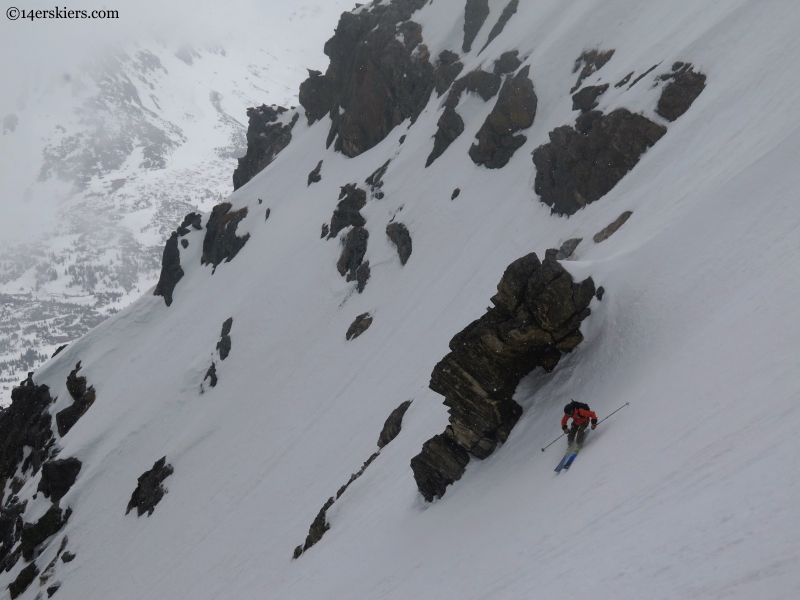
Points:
point(581, 415)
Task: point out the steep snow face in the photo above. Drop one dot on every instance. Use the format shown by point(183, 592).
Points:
point(689, 492)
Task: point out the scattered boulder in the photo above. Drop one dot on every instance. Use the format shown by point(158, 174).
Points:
point(515, 110)
point(358, 326)
point(681, 92)
point(58, 476)
point(592, 60)
point(475, 13)
point(448, 67)
point(355, 247)
point(171, 271)
point(455, 193)
point(34, 534)
point(568, 248)
point(53, 589)
point(537, 313)
point(221, 242)
point(149, 491)
point(314, 176)
point(212, 375)
point(600, 292)
point(611, 228)
point(185, 243)
point(351, 200)
point(581, 165)
point(23, 580)
point(508, 12)
point(224, 343)
point(266, 214)
point(507, 63)
point(586, 99)
point(68, 557)
point(25, 423)
point(401, 238)
point(267, 135)
point(393, 425)
point(83, 399)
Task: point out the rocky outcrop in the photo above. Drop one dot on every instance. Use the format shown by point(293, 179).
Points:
point(393, 425)
point(536, 318)
point(448, 67)
point(149, 491)
point(211, 375)
point(171, 271)
point(193, 220)
point(10, 531)
point(224, 343)
point(25, 423)
point(83, 399)
point(624, 80)
point(314, 176)
point(515, 110)
point(455, 193)
point(401, 238)
point(508, 12)
point(643, 75)
point(684, 88)
point(266, 137)
point(375, 181)
point(23, 580)
point(586, 99)
point(507, 63)
point(592, 60)
point(580, 165)
point(568, 248)
point(450, 124)
point(221, 242)
point(355, 247)
point(475, 13)
point(379, 75)
point(351, 200)
point(611, 228)
point(58, 476)
point(359, 325)
point(34, 534)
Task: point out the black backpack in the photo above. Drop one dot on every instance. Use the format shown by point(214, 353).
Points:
point(580, 405)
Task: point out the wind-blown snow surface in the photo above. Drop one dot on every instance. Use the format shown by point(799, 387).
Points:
point(691, 492)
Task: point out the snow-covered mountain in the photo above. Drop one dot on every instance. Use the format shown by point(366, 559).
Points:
point(101, 162)
point(608, 215)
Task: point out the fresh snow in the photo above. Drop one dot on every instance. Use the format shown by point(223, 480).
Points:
point(690, 492)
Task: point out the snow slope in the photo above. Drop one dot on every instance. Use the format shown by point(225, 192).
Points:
point(688, 493)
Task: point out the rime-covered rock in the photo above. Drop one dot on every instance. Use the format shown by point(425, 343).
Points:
point(683, 89)
point(266, 137)
point(149, 491)
point(83, 399)
point(58, 476)
point(221, 242)
point(401, 238)
point(393, 425)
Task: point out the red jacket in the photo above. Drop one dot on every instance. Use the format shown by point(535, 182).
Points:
point(579, 417)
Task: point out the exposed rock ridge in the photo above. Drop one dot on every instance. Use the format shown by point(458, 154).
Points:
point(266, 137)
point(25, 423)
point(475, 13)
point(514, 110)
point(221, 242)
point(150, 491)
point(508, 12)
point(592, 60)
point(379, 75)
point(83, 399)
point(536, 318)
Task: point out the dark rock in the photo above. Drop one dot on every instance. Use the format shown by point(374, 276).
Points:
point(58, 476)
point(171, 271)
point(586, 99)
point(266, 137)
point(185, 243)
point(375, 181)
point(401, 238)
point(10, 561)
point(507, 63)
point(266, 215)
point(325, 230)
point(568, 248)
point(26, 422)
point(475, 13)
point(449, 126)
point(319, 526)
point(624, 80)
point(515, 110)
point(355, 247)
point(508, 12)
point(194, 220)
point(642, 76)
point(314, 176)
point(224, 343)
point(149, 491)
point(358, 326)
point(592, 60)
point(58, 350)
point(212, 375)
point(68, 557)
point(83, 400)
point(297, 552)
point(10, 531)
point(600, 292)
point(455, 193)
point(611, 228)
point(448, 67)
point(362, 276)
point(536, 317)
point(681, 92)
point(34, 534)
point(221, 242)
point(23, 580)
point(402, 139)
point(393, 425)
point(317, 96)
point(581, 165)
point(53, 589)
point(351, 200)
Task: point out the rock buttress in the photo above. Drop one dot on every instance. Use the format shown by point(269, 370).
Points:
point(83, 399)
point(581, 165)
point(58, 476)
point(515, 110)
point(266, 137)
point(171, 271)
point(25, 423)
point(221, 242)
point(536, 318)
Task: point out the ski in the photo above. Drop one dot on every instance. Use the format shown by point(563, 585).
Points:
point(571, 458)
point(563, 460)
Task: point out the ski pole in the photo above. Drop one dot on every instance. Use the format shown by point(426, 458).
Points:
point(616, 411)
point(555, 440)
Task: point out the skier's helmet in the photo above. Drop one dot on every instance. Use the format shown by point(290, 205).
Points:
point(569, 409)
